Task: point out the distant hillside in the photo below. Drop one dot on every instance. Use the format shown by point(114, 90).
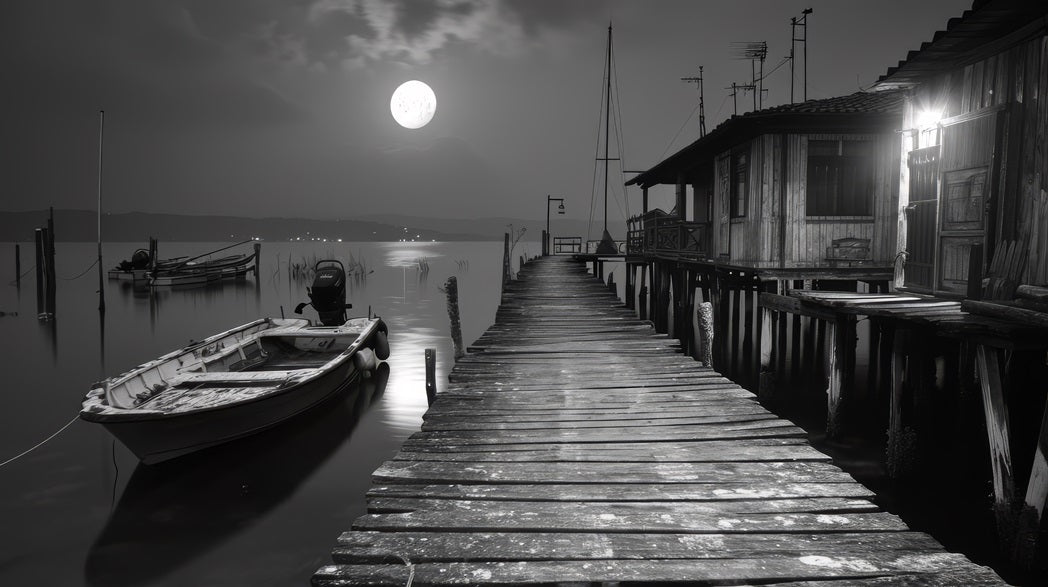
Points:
point(80, 225)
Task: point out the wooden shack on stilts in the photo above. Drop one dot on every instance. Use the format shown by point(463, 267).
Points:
point(792, 197)
point(973, 228)
point(904, 228)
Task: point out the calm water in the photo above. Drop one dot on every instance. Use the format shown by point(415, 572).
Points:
point(262, 511)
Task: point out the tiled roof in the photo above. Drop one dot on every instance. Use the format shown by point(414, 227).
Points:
point(858, 112)
point(887, 102)
point(986, 22)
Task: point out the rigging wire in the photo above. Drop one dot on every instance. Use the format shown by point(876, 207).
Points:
point(620, 136)
point(614, 191)
point(596, 156)
point(679, 130)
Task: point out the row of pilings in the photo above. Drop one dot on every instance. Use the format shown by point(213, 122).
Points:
point(925, 451)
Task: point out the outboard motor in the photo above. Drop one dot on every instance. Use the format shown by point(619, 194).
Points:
point(327, 295)
point(140, 260)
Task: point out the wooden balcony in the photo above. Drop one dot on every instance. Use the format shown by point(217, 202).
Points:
point(669, 236)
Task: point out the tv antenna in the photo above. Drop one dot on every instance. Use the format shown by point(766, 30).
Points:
point(756, 52)
point(801, 22)
point(735, 89)
point(702, 106)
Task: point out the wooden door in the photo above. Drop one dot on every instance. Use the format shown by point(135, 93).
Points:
point(921, 216)
point(968, 149)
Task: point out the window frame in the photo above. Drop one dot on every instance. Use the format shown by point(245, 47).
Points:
point(828, 201)
point(735, 170)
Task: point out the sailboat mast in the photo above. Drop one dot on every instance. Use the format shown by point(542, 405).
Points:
point(607, 117)
point(101, 282)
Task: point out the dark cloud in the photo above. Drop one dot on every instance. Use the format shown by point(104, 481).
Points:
point(415, 17)
point(325, 37)
point(144, 59)
point(534, 16)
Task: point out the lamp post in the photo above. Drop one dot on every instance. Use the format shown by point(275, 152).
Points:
point(560, 210)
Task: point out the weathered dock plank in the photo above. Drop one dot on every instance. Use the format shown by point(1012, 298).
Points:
point(575, 445)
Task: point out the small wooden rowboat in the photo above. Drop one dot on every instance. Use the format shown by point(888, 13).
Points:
point(198, 272)
point(233, 384)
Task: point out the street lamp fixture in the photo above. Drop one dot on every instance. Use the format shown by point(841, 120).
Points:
point(560, 210)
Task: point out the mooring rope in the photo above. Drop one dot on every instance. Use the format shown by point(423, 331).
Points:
point(411, 569)
point(13, 281)
point(82, 274)
point(41, 443)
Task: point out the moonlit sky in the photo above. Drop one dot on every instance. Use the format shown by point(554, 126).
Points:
point(281, 107)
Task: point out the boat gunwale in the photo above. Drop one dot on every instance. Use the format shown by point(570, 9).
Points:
point(114, 414)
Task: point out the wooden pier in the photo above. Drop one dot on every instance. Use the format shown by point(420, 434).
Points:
point(575, 445)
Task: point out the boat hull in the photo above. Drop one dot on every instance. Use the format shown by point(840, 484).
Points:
point(156, 440)
point(232, 384)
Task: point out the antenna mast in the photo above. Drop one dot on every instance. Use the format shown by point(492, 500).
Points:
point(702, 105)
point(756, 52)
point(794, 39)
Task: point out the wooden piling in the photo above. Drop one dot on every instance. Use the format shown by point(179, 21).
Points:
point(630, 281)
point(840, 370)
point(642, 303)
point(722, 308)
point(766, 375)
point(506, 270)
point(18, 267)
point(808, 346)
point(999, 441)
point(451, 290)
point(39, 234)
point(732, 333)
point(662, 323)
point(431, 375)
point(258, 257)
point(51, 274)
point(706, 333)
point(611, 284)
point(901, 438)
point(688, 312)
point(1036, 500)
point(750, 368)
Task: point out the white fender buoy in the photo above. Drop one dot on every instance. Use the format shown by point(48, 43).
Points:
point(381, 346)
point(364, 360)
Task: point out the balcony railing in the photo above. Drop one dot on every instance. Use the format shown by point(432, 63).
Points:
point(669, 235)
point(567, 245)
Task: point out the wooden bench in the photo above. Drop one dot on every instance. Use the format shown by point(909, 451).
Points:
point(848, 252)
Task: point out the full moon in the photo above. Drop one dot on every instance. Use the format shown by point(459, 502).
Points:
point(413, 104)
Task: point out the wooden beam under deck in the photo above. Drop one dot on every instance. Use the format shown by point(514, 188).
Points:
point(577, 445)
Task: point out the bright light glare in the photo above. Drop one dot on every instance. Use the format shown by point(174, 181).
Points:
point(927, 117)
